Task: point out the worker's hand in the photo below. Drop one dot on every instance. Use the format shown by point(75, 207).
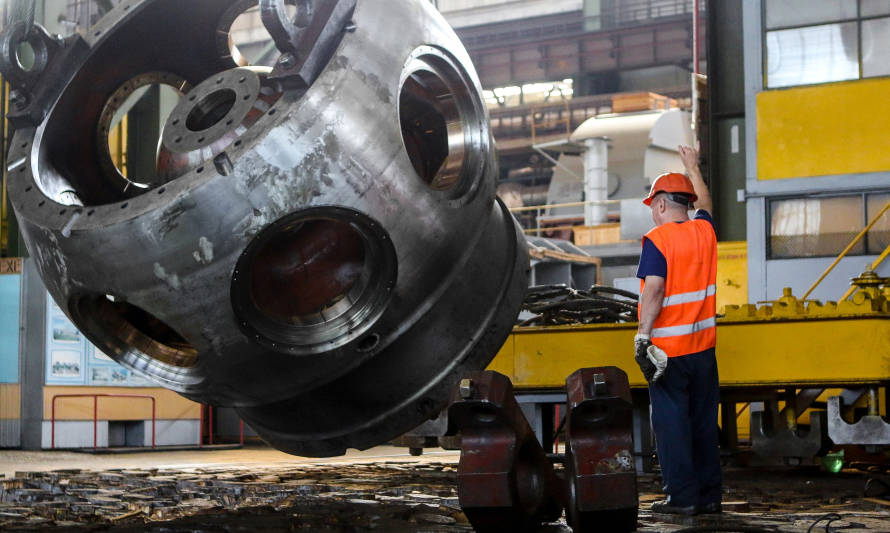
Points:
point(651, 359)
point(689, 156)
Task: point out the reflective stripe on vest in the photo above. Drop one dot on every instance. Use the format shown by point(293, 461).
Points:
point(689, 297)
point(688, 329)
point(687, 321)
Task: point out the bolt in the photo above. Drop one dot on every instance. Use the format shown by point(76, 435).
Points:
point(18, 99)
point(599, 384)
point(466, 389)
point(287, 60)
point(350, 27)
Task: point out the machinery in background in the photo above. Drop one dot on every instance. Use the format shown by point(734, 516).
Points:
point(798, 376)
point(316, 244)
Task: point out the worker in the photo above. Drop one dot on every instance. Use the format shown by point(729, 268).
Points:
point(675, 341)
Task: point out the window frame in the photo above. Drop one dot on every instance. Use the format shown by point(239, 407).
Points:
point(764, 60)
point(863, 196)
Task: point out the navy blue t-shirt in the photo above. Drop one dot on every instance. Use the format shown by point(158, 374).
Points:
point(652, 261)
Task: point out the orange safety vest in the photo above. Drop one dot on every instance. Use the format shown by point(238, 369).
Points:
point(688, 320)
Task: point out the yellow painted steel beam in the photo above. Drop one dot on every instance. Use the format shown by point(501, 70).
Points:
point(754, 352)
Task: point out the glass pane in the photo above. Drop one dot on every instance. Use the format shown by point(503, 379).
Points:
point(815, 227)
point(876, 47)
point(780, 13)
point(875, 7)
point(817, 54)
point(879, 235)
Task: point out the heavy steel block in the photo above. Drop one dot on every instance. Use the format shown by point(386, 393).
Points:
point(600, 471)
point(505, 481)
point(870, 430)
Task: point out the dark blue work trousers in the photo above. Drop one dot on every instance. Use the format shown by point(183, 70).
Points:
point(684, 417)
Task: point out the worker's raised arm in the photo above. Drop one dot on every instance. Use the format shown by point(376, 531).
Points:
point(689, 156)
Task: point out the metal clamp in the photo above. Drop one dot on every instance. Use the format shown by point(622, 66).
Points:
point(285, 31)
point(600, 471)
point(505, 481)
point(870, 430)
point(308, 41)
point(773, 436)
point(41, 42)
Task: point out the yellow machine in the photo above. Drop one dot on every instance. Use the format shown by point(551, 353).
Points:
point(783, 358)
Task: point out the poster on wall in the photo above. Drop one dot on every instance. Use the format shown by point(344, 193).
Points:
point(73, 360)
point(10, 291)
point(65, 349)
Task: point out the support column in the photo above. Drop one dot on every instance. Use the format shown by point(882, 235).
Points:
point(33, 355)
point(596, 180)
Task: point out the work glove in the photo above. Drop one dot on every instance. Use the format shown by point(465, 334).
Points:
point(652, 359)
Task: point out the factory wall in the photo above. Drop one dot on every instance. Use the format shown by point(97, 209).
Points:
point(817, 164)
point(54, 360)
point(10, 390)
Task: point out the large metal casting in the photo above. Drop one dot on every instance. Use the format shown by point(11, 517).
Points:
point(505, 481)
point(318, 243)
point(599, 460)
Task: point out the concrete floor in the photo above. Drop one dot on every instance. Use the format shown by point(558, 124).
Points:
point(12, 461)
point(382, 489)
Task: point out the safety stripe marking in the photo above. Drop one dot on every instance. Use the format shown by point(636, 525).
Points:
point(687, 329)
point(689, 297)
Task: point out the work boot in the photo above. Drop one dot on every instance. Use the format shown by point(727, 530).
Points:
point(710, 508)
point(666, 507)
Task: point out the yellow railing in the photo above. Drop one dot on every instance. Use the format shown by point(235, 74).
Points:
point(849, 247)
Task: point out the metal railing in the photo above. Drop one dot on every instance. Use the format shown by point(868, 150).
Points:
point(625, 14)
point(539, 212)
point(95, 398)
point(849, 247)
point(207, 414)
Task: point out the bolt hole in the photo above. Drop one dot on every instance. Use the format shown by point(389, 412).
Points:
point(200, 170)
point(124, 205)
point(162, 190)
point(41, 204)
point(62, 212)
point(369, 343)
point(90, 212)
point(211, 110)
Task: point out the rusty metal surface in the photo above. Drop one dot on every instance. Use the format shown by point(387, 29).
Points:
point(505, 480)
point(599, 451)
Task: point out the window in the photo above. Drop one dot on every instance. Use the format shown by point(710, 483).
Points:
point(815, 227)
point(820, 227)
point(821, 41)
point(879, 235)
